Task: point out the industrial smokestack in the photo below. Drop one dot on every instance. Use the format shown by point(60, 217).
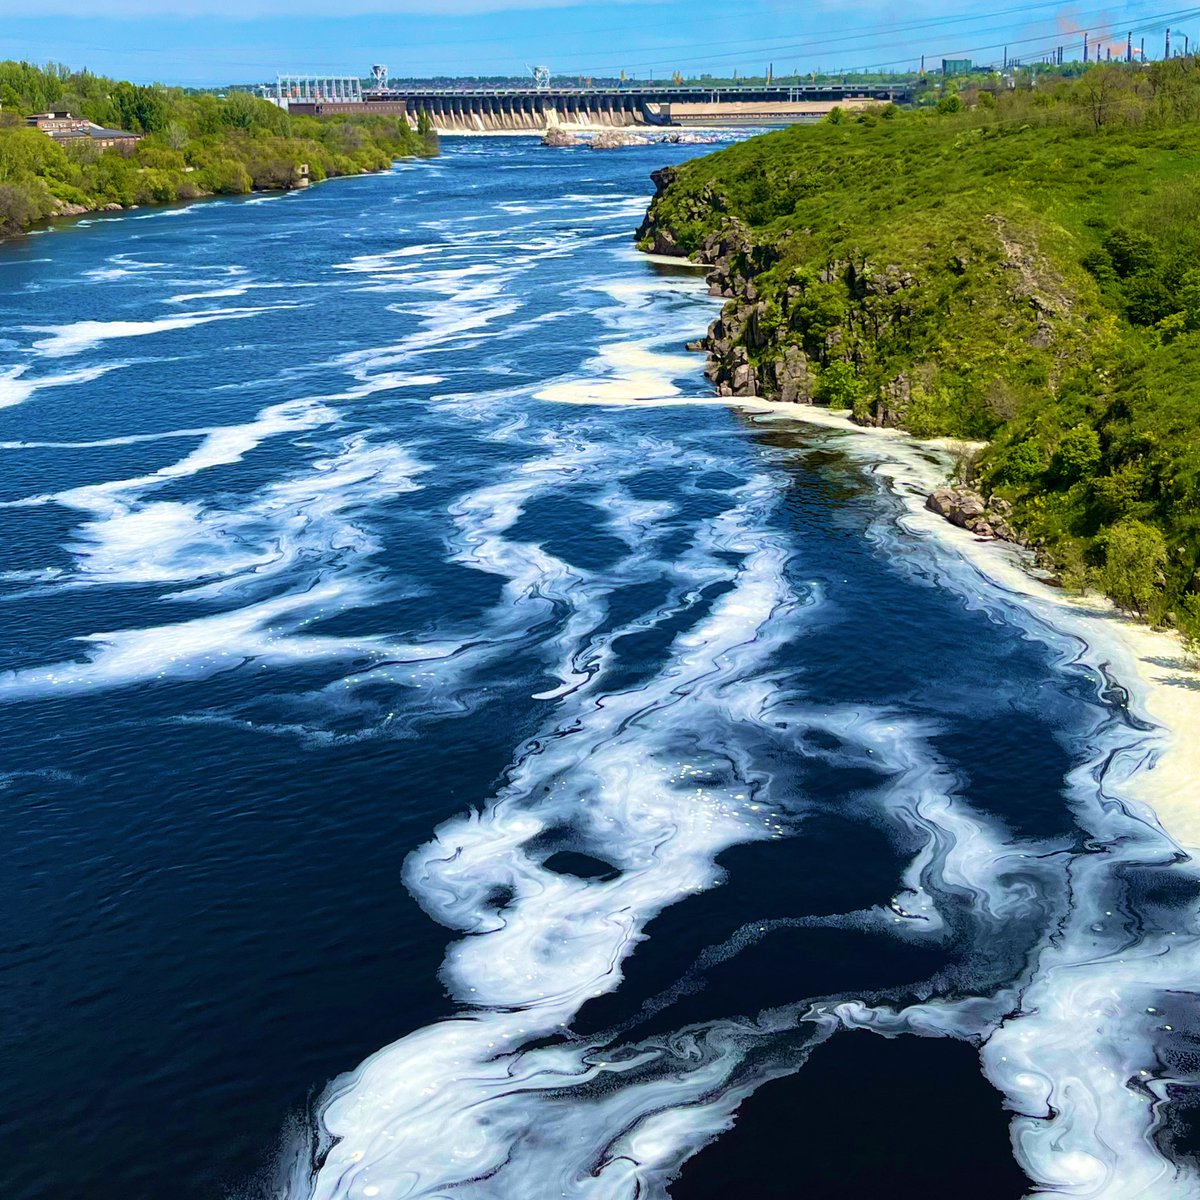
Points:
point(1085, 47)
point(1142, 56)
point(1129, 47)
point(1167, 53)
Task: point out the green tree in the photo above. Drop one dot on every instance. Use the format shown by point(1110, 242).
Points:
point(1135, 555)
point(1078, 454)
point(839, 386)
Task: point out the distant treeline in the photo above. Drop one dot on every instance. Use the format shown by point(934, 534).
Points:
point(193, 145)
point(1020, 266)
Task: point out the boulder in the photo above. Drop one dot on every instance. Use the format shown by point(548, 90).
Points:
point(614, 139)
point(745, 382)
point(793, 377)
point(969, 510)
point(560, 138)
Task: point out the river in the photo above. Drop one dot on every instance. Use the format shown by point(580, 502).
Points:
point(440, 760)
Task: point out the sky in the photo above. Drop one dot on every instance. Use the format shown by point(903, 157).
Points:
point(213, 42)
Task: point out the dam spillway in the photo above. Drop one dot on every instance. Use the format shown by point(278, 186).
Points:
point(512, 110)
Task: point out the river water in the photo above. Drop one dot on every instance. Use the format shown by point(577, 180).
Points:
point(441, 761)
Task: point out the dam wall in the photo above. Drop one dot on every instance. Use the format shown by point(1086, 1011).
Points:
point(532, 110)
point(765, 112)
point(533, 114)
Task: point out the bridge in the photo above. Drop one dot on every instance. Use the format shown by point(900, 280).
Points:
point(467, 109)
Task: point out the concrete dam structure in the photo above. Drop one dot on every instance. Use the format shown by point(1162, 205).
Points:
point(534, 109)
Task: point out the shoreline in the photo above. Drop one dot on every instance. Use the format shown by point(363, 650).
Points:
point(1150, 664)
point(58, 220)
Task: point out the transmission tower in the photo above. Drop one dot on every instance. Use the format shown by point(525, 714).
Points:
point(541, 77)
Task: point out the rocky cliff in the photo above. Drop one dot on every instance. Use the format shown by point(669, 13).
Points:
point(1008, 275)
point(852, 331)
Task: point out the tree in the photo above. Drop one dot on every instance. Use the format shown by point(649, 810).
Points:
point(17, 209)
point(141, 109)
point(839, 386)
point(1078, 453)
point(1134, 557)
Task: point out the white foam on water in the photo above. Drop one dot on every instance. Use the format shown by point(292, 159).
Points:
point(236, 290)
point(230, 554)
point(66, 340)
point(16, 387)
point(623, 373)
point(1070, 1033)
point(630, 774)
point(124, 266)
point(263, 634)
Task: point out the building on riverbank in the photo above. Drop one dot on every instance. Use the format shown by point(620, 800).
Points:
point(65, 128)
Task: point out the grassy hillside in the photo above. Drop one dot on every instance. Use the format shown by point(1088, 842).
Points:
point(195, 145)
point(1021, 267)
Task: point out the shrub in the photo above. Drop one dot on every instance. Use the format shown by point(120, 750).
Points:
point(1078, 454)
point(1135, 555)
point(839, 386)
point(1022, 463)
point(18, 209)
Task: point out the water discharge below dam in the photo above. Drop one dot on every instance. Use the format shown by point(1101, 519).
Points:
point(446, 754)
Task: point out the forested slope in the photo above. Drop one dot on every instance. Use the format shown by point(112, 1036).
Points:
point(195, 145)
point(1021, 267)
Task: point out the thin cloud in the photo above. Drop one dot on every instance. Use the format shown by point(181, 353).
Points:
point(252, 10)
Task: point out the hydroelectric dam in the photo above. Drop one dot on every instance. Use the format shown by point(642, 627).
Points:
point(534, 109)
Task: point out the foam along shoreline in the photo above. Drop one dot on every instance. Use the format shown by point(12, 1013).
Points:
point(1150, 664)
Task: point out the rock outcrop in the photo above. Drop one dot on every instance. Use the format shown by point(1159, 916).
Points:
point(968, 509)
point(614, 139)
point(560, 139)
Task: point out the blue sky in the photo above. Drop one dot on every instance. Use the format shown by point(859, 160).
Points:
point(218, 41)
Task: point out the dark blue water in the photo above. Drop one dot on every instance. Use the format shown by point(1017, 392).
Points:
point(397, 667)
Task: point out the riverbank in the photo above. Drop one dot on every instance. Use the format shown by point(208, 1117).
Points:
point(178, 147)
point(1007, 273)
point(70, 212)
point(1151, 664)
